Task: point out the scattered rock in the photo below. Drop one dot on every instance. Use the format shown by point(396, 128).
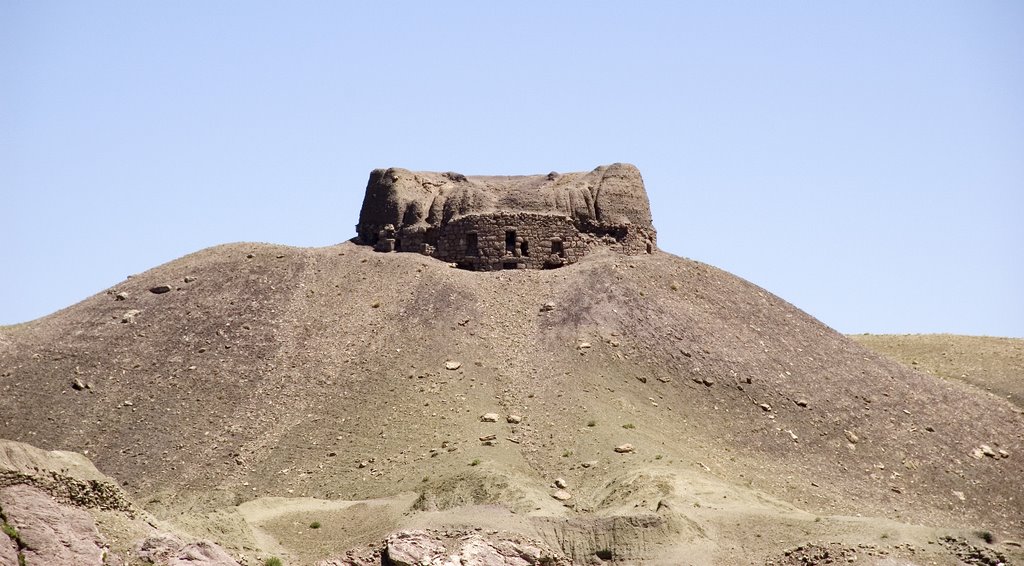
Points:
point(1004, 453)
point(489, 417)
point(561, 483)
point(707, 381)
point(77, 385)
point(562, 495)
point(452, 365)
point(853, 438)
point(988, 451)
point(487, 437)
point(624, 448)
point(589, 463)
point(801, 402)
point(513, 419)
point(129, 317)
point(120, 296)
point(363, 464)
point(547, 307)
point(641, 379)
point(584, 345)
point(189, 279)
point(160, 289)
point(765, 407)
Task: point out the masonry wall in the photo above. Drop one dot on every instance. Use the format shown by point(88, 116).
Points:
point(487, 242)
point(510, 241)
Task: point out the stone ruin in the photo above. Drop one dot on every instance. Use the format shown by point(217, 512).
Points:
point(519, 222)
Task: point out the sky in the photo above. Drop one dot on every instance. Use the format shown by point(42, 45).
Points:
point(862, 160)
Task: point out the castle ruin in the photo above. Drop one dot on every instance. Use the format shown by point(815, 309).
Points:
point(518, 222)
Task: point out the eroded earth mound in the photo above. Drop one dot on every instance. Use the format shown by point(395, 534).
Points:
point(639, 409)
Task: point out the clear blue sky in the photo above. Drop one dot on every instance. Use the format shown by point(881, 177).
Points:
point(863, 160)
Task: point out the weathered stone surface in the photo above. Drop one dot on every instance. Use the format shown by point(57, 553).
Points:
point(52, 533)
point(488, 223)
point(624, 448)
point(412, 548)
point(8, 551)
point(452, 548)
point(168, 550)
point(489, 418)
point(160, 289)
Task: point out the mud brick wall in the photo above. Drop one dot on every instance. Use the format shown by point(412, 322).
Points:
point(511, 241)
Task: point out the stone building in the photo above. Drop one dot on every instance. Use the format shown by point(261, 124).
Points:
point(520, 222)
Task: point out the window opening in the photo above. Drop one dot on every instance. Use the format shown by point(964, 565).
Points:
point(557, 248)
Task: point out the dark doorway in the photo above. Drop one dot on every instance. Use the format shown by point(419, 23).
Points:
point(510, 241)
point(557, 249)
point(525, 248)
point(472, 245)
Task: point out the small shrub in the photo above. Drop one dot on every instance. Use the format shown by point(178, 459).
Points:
point(567, 453)
point(629, 426)
point(10, 531)
point(275, 561)
point(475, 462)
point(314, 525)
point(658, 457)
point(986, 536)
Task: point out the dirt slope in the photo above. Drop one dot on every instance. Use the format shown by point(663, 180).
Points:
point(269, 371)
point(993, 364)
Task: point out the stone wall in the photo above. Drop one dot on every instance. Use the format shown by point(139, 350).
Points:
point(511, 241)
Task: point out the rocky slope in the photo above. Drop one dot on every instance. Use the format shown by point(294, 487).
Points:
point(360, 378)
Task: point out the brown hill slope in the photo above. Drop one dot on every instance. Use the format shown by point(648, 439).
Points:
point(993, 364)
point(321, 372)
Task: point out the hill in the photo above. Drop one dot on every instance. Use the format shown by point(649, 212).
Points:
point(352, 383)
point(995, 365)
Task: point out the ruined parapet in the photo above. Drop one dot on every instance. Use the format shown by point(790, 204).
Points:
point(518, 222)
